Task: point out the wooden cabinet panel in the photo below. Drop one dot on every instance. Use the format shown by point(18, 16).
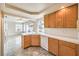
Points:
point(52, 20)
point(71, 16)
point(46, 21)
point(67, 49)
point(77, 50)
point(68, 44)
point(35, 40)
point(60, 17)
point(53, 46)
point(26, 41)
point(64, 18)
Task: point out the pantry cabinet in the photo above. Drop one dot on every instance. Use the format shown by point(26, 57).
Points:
point(53, 46)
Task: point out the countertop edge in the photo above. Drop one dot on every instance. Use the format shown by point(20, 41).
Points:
point(58, 37)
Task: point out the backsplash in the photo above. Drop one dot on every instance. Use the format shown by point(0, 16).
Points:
point(66, 32)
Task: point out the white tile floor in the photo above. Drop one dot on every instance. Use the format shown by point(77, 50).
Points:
point(12, 47)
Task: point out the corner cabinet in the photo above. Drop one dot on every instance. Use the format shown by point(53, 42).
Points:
point(53, 46)
point(35, 40)
point(30, 40)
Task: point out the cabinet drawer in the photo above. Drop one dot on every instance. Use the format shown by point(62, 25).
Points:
point(68, 44)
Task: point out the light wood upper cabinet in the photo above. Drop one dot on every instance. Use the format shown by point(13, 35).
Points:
point(64, 18)
point(67, 49)
point(60, 17)
point(35, 40)
point(71, 16)
point(52, 20)
point(53, 46)
point(46, 21)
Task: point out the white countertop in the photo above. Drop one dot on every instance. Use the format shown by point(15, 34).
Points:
point(68, 39)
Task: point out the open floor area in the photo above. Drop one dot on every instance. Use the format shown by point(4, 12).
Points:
point(13, 48)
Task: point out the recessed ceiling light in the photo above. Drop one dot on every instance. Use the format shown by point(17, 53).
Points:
point(62, 7)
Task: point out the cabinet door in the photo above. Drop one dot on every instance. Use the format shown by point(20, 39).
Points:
point(71, 16)
point(60, 16)
point(52, 20)
point(53, 46)
point(26, 41)
point(77, 50)
point(66, 49)
point(35, 40)
point(46, 21)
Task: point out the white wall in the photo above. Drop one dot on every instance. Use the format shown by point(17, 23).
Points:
point(66, 32)
point(11, 28)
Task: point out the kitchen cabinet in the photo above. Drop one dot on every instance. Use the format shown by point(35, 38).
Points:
point(35, 40)
point(60, 17)
point(53, 46)
point(67, 49)
point(63, 18)
point(26, 41)
point(30, 40)
point(77, 50)
point(71, 16)
point(46, 21)
point(52, 20)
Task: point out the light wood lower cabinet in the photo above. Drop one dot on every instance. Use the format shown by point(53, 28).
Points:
point(26, 41)
point(53, 46)
point(62, 48)
point(30, 40)
point(77, 50)
point(35, 40)
point(67, 49)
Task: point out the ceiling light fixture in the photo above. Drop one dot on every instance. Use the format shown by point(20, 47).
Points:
point(62, 7)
